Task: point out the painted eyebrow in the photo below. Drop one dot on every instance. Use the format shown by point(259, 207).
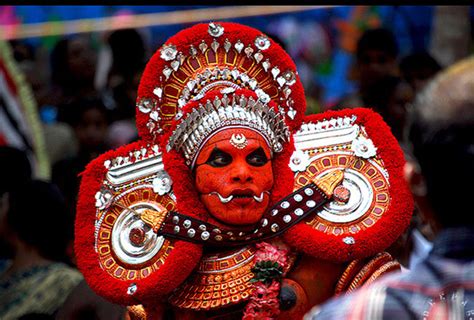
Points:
point(260, 151)
point(269, 157)
point(216, 149)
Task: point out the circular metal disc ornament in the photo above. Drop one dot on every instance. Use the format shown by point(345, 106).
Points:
point(128, 248)
point(364, 192)
point(128, 227)
point(359, 201)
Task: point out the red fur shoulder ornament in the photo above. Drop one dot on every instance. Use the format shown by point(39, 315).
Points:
point(109, 237)
point(374, 205)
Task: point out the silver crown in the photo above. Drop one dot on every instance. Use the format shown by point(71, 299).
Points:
point(190, 135)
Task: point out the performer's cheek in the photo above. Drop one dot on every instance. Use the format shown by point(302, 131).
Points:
point(209, 180)
point(264, 177)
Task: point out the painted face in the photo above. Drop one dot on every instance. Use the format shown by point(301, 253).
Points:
point(234, 176)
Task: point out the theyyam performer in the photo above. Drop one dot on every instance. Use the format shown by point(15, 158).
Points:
point(234, 204)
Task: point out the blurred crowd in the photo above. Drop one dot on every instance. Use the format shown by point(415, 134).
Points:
point(85, 93)
point(86, 101)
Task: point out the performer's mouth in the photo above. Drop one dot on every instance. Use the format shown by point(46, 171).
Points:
point(241, 196)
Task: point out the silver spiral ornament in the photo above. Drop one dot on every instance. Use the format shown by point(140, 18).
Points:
point(359, 202)
point(133, 241)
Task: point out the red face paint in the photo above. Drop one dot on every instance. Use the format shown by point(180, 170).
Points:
point(234, 176)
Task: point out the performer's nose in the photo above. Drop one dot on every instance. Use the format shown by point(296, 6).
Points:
point(242, 173)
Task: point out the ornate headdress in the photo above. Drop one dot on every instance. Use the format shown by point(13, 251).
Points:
point(229, 59)
point(221, 113)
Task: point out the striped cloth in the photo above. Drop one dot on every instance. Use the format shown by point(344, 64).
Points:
point(441, 286)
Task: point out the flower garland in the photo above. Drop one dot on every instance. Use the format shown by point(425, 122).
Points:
point(270, 266)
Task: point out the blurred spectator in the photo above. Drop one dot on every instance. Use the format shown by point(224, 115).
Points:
point(36, 77)
point(90, 120)
point(124, 130)
point(440, 285)
point(420, 240)
point(418, 68)
point(22, 51)
point(400, 101)
point(421, 230)
point(73, 66)
point(128, 53)
point(59, 137)
point(121, 133)
point(35, 223)
point(376, 58)
point(84, 304)
point(398, 104)
point(390, 97)
point(125, 95)
point(15, 169)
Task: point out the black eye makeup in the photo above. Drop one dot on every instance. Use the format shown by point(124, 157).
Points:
point(257, 158)
point(219, 158)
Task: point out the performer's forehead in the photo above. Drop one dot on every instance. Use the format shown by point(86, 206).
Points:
point(227, 134)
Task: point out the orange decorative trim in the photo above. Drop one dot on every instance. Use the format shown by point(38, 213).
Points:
point(348, 275)
point(219, 281)
point(373, 265)
point(386, 268)
point(136, 312)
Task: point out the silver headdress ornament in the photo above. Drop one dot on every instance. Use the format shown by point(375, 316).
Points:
point(209, 118)
point(223, 57)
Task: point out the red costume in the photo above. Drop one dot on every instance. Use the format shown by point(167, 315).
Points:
point(234, 204)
